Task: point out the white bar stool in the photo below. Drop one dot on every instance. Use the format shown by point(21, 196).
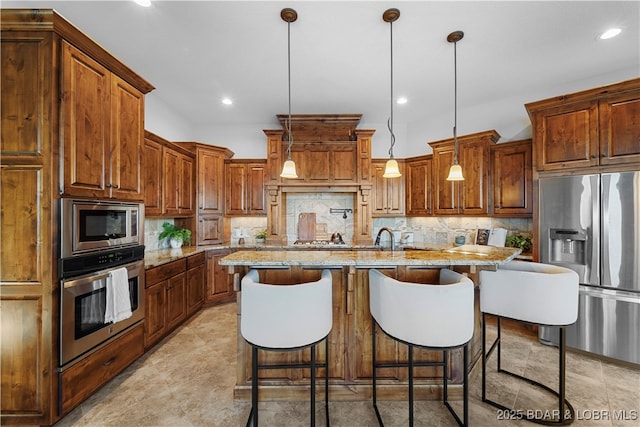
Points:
point(540, 294)
point(286, 317)
point(426, 316)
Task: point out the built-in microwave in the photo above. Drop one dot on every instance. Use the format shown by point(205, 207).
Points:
point(93, 225)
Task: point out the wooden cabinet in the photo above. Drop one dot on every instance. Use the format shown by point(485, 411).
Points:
point(471, 196)
point(35, 140)
point(387, 193)
point(244, 187)
point(326, 162)
point(82, 379)
point(597, 127)
point(178, 185)
point(219, 282)
point(512, 178)
point(168, 172)
point(152, 171)
point(165, 299)
point(208, 222)
point(418, 183)
point(103, 118)
point(196, 280)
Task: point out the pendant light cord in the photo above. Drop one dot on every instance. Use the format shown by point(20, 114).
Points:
point(455, 103)
point(289, 82)
point(390, 121)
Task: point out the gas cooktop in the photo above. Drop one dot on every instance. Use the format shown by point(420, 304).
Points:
point(318, 243)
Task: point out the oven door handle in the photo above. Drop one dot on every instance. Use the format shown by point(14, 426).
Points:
point(93, 278)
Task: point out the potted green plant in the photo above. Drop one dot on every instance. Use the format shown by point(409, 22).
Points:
point(261, 235)
point(519, 241)
point(176, 235)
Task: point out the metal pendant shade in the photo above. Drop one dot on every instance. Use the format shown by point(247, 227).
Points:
point(455, 172)
point(289, 168)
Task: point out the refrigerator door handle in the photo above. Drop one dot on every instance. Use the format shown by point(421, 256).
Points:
point(630, 297)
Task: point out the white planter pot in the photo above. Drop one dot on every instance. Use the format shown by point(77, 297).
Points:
point(175, 243)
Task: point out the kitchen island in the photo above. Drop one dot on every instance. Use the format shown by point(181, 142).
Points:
point(350, 339)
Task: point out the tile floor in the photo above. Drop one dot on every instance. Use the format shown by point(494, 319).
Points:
point(187, 380)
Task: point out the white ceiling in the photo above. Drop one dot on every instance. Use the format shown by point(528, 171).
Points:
point(196, 53)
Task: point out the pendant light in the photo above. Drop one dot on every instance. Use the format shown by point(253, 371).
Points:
point(391, 169)
point(289, 168)
point(455, 172)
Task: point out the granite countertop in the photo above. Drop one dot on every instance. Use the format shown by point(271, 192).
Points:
point(163, 256)
point(462, 255)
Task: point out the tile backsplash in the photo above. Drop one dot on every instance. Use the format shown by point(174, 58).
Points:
point(425, 229)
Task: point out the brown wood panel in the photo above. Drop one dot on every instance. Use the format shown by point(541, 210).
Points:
point(86, 118)
point(419, 187)
point(446, 192)
point(511, 166)
point(209, 229)
point(235, 188)
point(127, 136)
point(256, 199)
point(81, 380)
point(22, 60)
point(219, 283)
point(155, 316)
point(21, 230)
point(210, 181)
point(176, 299)
point(475, 161)
point(186, 187)
point(153, 176)
point(21, 359)
point(196, 280)
point(195, 260)
point(620, 129)
point(318, 161)
point(171, 180)
point(164, 271)
point(344, 163)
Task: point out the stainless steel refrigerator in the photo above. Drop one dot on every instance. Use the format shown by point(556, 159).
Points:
point(591, 224)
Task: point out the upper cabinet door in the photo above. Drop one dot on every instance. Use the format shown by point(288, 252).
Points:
point(127, 136)
point(446, 192)
point(512, 178)
point(475, 161)
point(418, 187)
point(567, 136)
point(210, 181)
point(620, 129)
point(153, 167)
point(86, 92)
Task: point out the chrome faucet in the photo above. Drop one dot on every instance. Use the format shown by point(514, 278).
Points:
point(393, 240)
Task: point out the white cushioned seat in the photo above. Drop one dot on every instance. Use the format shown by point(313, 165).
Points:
point(287, 317)
point(541, 294)
point(532, 292)
point(423, 314)
point(433, 316)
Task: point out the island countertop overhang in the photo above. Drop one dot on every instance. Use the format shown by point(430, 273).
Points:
point(462, 255)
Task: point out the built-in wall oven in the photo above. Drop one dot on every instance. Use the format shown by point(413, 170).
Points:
point(98, 238)
point(83, 299)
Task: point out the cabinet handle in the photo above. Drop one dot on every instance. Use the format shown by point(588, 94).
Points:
point(116, 186)
point(109, 362)
point(593, 156)
point(107, 185)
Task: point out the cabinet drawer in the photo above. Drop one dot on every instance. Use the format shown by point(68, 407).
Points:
point(195, 260)
point(81, 380)
point(163, 272)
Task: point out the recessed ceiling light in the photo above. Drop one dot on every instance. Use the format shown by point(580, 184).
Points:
point(227, 101)
point(401, 100)
point(610, 33)
point(145, 3)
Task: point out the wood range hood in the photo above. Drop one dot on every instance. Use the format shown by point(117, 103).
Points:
point(331, 155)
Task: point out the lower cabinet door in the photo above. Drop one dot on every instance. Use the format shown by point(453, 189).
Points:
point(82, 379)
